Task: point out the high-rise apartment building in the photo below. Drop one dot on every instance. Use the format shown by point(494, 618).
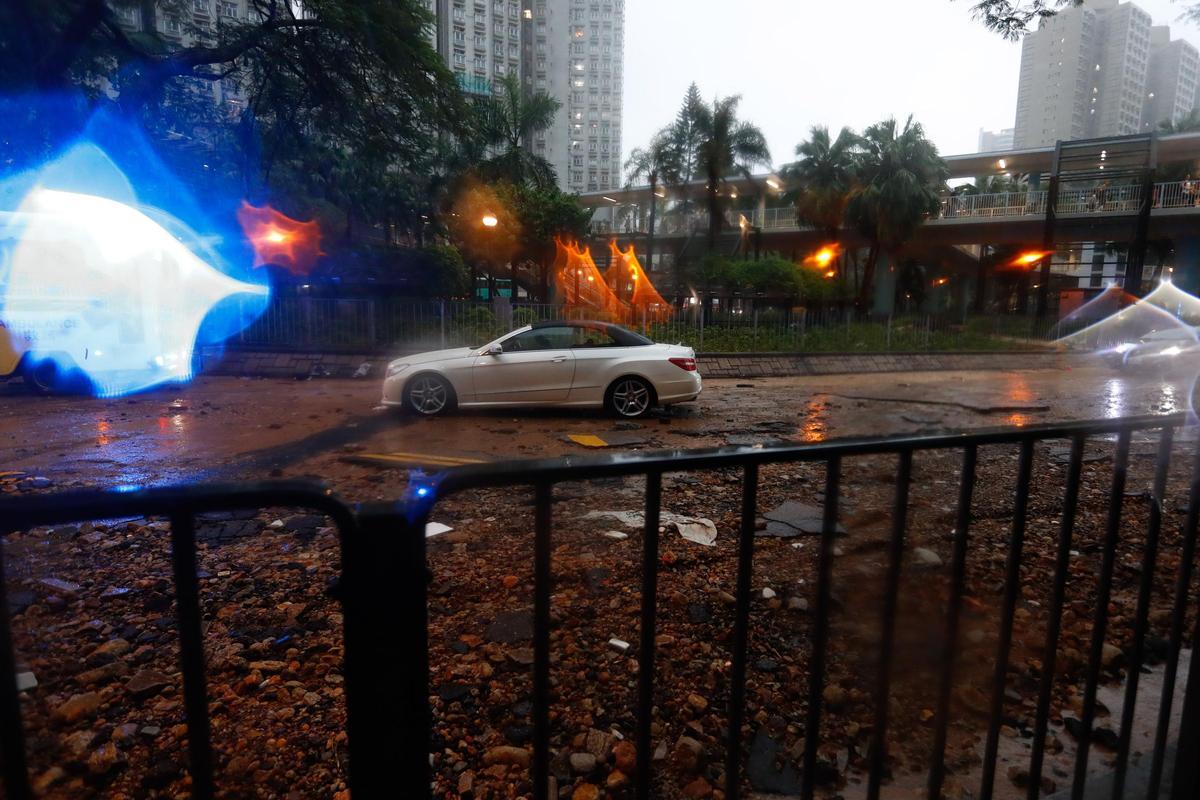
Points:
point(572, 50)
point(995, 141)
point(480, 40)
point(1101, 69)
point(1172, 81)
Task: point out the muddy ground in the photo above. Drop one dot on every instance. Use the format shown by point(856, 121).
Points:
point(94, 603)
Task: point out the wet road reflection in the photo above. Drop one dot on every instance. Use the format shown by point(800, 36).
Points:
point(225, 428)
point(1114, 398)
point(814, 422)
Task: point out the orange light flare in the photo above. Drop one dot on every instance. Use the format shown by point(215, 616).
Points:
point(1029, 258)
point(823, 257)
point(579, 282)
point(280, 240)
point(625, 269)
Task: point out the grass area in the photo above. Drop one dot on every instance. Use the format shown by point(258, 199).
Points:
point(854, 337)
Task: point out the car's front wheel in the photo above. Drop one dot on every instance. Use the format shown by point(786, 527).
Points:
point(630, 397)
point(428, 395)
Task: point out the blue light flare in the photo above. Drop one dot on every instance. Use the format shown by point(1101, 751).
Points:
point(111, 272)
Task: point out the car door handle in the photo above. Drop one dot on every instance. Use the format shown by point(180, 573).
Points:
point(558, 359)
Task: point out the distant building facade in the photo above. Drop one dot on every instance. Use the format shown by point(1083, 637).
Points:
point(187, 24)
point(1101, 69)
point(572, 50)
point(995, 141)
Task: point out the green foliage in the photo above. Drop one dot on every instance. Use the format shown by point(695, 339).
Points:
point(771, 277)
point(1013, 18)
point(687, 133)
point(447, 274)
point(546, 212)
point(340, 100)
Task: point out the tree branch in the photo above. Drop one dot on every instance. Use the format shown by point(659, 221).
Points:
point(72, 40)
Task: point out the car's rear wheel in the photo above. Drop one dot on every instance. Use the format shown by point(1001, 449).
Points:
point(630, 397)
point(428, 395)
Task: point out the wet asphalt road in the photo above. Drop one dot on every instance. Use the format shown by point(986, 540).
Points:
point(235, 428)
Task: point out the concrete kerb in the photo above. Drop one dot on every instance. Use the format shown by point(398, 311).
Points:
point(275, 364)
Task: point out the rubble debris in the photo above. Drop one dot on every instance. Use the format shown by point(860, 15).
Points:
point(695, 529)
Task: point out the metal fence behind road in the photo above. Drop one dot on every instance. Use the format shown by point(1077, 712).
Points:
point(314, 324)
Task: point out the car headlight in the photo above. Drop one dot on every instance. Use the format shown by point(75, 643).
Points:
point(395, 369)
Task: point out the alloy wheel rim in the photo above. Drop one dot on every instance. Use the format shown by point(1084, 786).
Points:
point(631, 398)
point(427, 395)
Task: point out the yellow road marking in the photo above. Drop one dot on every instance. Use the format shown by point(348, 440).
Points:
point(419, 458)
point(587, 440)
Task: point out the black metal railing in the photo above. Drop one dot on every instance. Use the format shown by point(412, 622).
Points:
point(384, 579)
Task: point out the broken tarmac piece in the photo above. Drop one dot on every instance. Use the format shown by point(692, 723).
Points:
point(695, 529)
point(794, 518)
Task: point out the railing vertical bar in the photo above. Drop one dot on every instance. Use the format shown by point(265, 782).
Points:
point(1137, 647)
point(1183, 583)
point(1054, 621)
point(741, 633)
point(646, 654)
point(1185, 783)
point(541, 642)
point(937, 772)
point(1100, 621)
point(12, 733)
point(1012, 588)
point(816, 683)
point(892, 593)
point(384, 588)
point(191, 653)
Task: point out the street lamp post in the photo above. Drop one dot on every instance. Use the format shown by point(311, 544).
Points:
point(489, 222)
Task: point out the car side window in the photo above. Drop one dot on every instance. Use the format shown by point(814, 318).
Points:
point(539, 339)
point(593, 337)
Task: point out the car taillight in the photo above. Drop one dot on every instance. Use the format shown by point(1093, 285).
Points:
point(688, 364)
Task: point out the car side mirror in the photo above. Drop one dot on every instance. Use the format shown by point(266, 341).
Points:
point(495, 350)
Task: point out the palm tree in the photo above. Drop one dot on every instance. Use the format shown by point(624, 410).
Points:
point(901, 174)
point(821, 181)
point(728, 145)
point(656, 164)
point(510, 121)
point(1188, 122)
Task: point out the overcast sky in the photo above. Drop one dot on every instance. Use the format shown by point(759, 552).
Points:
point(798, 63)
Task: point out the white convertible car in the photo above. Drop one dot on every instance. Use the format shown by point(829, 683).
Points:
point(576, 364)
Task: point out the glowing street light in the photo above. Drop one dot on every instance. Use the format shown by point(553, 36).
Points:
point(490, 221)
